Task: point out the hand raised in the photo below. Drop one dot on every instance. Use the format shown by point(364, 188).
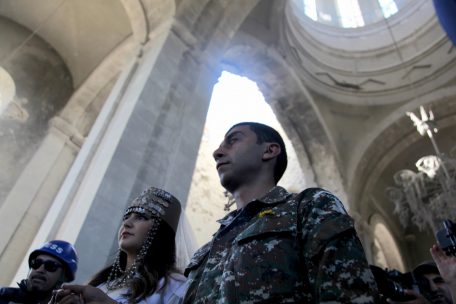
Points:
point(446, 264)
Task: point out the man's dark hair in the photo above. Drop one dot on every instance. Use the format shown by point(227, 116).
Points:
point(264, 134)
point(427, 267)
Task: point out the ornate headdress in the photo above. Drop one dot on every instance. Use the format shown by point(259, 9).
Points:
point(156, 204)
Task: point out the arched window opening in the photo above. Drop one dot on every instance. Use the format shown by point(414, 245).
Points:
point(234, 99)
point(7, 90)
point(389, 7)
point(385, 251)
point(351, 13)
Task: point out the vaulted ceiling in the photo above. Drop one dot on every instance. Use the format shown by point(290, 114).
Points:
point(341, 94)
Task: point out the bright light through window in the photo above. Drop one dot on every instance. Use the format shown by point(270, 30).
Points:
point(7, 89)
point(350, 13)
point(389, 7)
point(310, 9)
point(235, 99)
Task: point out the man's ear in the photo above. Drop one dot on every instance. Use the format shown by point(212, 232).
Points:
point(271, 151)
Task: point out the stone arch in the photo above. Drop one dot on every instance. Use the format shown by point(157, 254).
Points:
point(287, 96)
point(147, 19)
point(159, 81)
point(393, 145)
point(34, 67)
point(385, 251)
point(30, 201)
point(393, 134)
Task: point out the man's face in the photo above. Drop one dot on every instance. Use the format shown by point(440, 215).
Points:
point(439, 290)
point(239, 157)
point(46, 271)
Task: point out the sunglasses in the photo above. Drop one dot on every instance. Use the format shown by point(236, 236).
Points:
point(49, 266)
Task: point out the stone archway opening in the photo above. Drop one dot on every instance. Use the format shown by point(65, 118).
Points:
point(234, 99)
point(386, 253)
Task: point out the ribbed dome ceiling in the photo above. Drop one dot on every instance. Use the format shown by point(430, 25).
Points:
point(376, 63)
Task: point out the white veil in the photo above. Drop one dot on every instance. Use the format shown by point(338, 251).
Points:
point(186, 244)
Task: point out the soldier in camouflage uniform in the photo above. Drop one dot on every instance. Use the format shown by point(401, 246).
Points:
point(277, 247)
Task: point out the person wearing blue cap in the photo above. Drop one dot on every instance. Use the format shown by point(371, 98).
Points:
point(51, 265)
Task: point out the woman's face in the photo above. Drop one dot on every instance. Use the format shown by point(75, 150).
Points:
point(133, 231)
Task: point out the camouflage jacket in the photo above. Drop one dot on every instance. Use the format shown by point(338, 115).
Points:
point(283, 248)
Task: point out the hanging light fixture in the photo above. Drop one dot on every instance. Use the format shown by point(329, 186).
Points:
point(426, 197)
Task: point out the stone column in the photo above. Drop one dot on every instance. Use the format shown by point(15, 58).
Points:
point(150, 137)
point(31, 197)
point(161, 130)
point(31, 211)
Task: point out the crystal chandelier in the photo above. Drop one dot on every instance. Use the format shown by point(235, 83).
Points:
point(427, 197)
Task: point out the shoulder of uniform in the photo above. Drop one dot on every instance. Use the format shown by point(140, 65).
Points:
point(197, 258)
point(319, 198)
point(204, 249)
point(313, 192)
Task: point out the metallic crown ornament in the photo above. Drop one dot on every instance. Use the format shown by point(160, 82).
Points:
point(426, 197)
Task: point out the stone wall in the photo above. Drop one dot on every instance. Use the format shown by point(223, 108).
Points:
point(43, 86)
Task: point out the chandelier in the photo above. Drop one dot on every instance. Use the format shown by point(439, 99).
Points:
point(426, 197)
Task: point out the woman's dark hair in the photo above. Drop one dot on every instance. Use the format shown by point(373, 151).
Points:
point(159, 261)
point(265, 133)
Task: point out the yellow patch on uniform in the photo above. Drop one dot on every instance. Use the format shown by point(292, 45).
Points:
point(265, 213)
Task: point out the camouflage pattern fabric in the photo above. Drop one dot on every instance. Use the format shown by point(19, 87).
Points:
point(283, 248)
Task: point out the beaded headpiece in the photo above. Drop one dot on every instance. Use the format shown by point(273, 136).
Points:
point(159, 203)
point(153, 203)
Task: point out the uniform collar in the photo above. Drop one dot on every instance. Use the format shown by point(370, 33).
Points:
point(274, 196)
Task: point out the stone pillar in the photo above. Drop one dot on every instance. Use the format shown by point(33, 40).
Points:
point(31, 211)
point(160, 122)
point(149, 133)
point(31, 196)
